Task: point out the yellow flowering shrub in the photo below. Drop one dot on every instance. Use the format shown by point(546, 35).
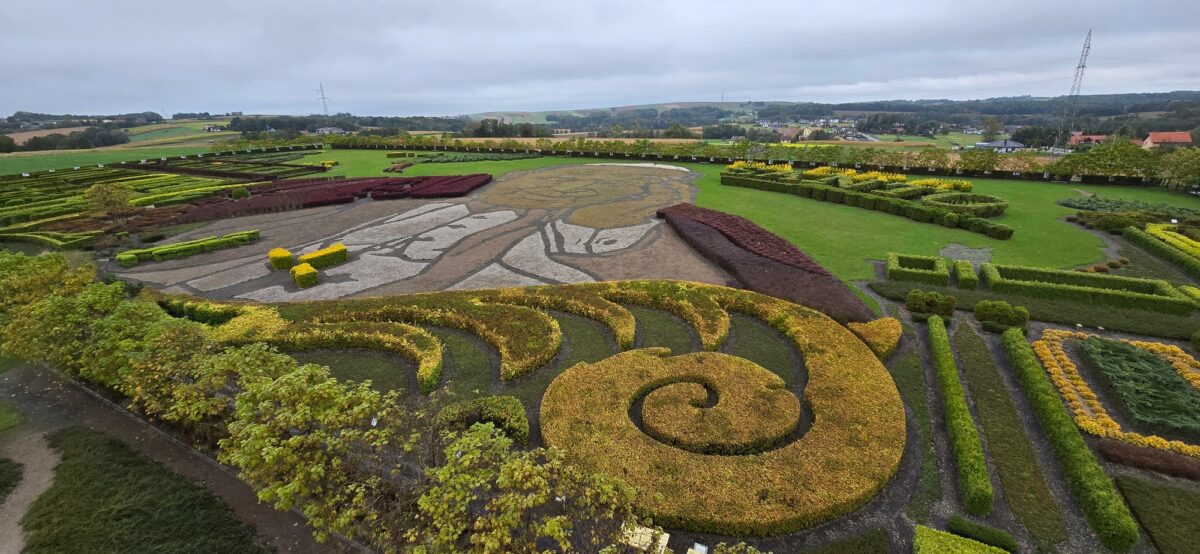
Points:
point(1089, 414)
point(882, 335)
point(281, 258)
point(854, 174)
point(960, 185)
point(400, 339)
point(254, 324)
point(760, 166)
point(1167, 233)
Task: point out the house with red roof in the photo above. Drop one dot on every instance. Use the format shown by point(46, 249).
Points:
point(1079, 139)
point(1167, 139)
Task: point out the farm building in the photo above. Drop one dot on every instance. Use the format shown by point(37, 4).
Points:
point(1001, 146)
point(1167, 139)
point(1079, 139)
point(331, 131)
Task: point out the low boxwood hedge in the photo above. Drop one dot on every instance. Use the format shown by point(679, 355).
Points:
point(305, 275)
point(979, 205)
point(932, 541)
point(326, 257)
point(930, 270)
point(1097, 496)
point(974, 483)
point(130, 258)
point(1122, 292)
point(999, 538)
point(965, 273)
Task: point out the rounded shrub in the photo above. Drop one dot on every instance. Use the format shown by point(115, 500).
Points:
point(240, 193)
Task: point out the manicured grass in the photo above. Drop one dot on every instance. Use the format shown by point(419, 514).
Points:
point(758, 342)
point(9, 417)
point(1169, 514)
point(10, 475)
point(1145, 265)
point(659, 328)
point(849, 236)
point(24, 162)
point(910, 380)
point(1025, 489)
point(873, 541)
point(108, 498)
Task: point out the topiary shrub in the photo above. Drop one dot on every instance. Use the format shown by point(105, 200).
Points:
point(1113, 264)
point(967, 278)
point(281, 258)
point(950, 220)
point(974, 483)
point(923, 304)
point(240, 193)
point(997, 315)
point(979, 205)
point(304, 275)
point(326, 257)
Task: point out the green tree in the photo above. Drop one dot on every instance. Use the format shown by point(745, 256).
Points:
point(161, 378)
point(7, 144)
point(679, 132)
point(978, 159)
point(489, 498)
point(992, 128)
point(111, 199)
point(114, 339)
point(27, 279)
point(55, 329)
point(1181, 166)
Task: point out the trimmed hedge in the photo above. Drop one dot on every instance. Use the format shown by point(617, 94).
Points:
point(1000, 314)
point(130, 258)
point(874, 200)
point(304, 275)
point(1122, 292)
point(1173, 255)
point(931, 270)
point(927, 303)
point(326, 257)
point(1097, 496)
point(281, 258)
point(932, 541)
point(979, 205)
point(200, 311)
point(985, 534)
point(965, 272)
point(974, 483)
point(507, 413)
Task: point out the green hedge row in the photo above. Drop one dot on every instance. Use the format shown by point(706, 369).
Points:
point(985, 534)
point(1096, 288)
point(928, 303)
point(931, 270)
point(933, 541)
point(59, 241)
point(1000, 313)
point(979, 205)
point(1173, 255)
point(507, 413)
point(130, 258)
point(1098, 497)
point(872, 201)
point(973, 480)
point(965, 272)
point(203, 312)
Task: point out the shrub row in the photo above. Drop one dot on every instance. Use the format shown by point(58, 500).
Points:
point(507, 413)
point(924, 304)
point(979, 205)
point(974, 483)
point(58, 241)
point(203, 312)
point(1179, 258)
point(931, 270)
point(932, 541)
point(748, 235)
point(867, 200)
point(985, 534)
point(964, 271)
point(1111, 290)
point(130, 258)
point(998, 315)
point(1097, 496)
point(1153, 459)
point(329, 256)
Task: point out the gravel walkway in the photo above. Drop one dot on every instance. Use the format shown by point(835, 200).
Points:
point(28, 448)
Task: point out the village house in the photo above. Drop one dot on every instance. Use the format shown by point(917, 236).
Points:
point(1167, 139)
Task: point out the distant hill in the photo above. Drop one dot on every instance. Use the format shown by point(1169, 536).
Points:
point(540, 117)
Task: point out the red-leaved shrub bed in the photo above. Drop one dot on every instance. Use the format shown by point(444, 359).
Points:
point(1162, 461)
point(749, 236)
point(815, 288)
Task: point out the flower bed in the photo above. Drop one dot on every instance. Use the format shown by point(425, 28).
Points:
point(1151, 390)
point(781, 270)
point(1184, 261)
point(1089, 414)
point(979, 205)
point(1168, 234)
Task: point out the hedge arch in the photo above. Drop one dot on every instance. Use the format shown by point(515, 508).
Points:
point(735, 466)
point(979, 205)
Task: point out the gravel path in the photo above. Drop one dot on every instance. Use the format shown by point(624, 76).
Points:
point(28, 448)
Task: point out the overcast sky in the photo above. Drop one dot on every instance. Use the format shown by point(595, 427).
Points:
point(442, 57)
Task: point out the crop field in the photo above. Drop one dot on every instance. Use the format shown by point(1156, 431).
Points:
point(813, 360)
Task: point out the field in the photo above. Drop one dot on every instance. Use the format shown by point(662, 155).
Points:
point(824, 402)
point(20, 162)
point(23, 136)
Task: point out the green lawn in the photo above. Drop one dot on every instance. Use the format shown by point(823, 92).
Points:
point(844, 238)
point(108, 498)
point(24, 162)
point(909, 376)
point(10, 475)
point(1168, 513)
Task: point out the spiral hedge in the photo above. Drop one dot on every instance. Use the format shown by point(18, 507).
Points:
point(736, 466)
point(979, 205)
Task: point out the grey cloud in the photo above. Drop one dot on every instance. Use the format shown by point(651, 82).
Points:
point(451, 57)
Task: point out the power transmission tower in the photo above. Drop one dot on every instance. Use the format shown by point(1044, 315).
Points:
point(325, 99)
point(1068, 123)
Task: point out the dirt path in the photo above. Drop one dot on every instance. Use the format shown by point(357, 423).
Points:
point(49, 401)
point(28, 448)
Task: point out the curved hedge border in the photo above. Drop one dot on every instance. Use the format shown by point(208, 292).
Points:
point(1179, 258)
point(1098, 497)
point(507, 413)
point(870, 201)
point(851, 451)
point(979, 205)
point(973, 480)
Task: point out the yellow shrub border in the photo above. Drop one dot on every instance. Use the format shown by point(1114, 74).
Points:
point(1085, 406)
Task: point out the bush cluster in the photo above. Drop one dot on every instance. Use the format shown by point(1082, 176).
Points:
point(281, 258)
point(305, 275)
point(872, 201)
point(973, 480)
point(1098, 497)
point(130, 258)
point(1123, 292)
point(1187, 263)
point(965, 272)
point(998, 315)
point(199, 310)
point(929, 303)
point(505, 412)
point(931, 270)
point(326, 257)
point(979, 205)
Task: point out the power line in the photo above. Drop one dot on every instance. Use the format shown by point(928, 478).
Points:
point(1076, 85)
point(324, 99)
